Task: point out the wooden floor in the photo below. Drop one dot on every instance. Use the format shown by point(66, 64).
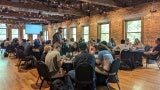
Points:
point(138, 79)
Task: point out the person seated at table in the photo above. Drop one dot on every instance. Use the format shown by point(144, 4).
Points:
point(138, 44)
point(153, 54)
point(122, 46)
point(127, 41)
point(74, 48)
point(84, 56)
point(29, 54)
point(102, 67)
point(91, 48)
point(53, 67)
point(64, 47)
point(47, 48)
point(111, 43)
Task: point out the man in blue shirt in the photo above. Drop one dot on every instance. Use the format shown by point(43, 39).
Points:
point(103, 63)
point(84, 56)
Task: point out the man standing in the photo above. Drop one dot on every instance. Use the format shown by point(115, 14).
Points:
point(57, 37)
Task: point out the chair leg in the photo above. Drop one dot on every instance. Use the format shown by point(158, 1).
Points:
point(146, 63)
point(107, 83)
point(158, 64)
point(37, 80)
point(118, 84)
point(41, 84)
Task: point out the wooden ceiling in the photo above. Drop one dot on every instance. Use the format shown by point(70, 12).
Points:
point(54, 11)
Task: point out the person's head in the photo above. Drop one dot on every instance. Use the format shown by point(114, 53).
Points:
point(122, 41)
point(60, 30)
point(47, 48)
point(72, 39)
point(75, 45)
point(111, 40)
point(63, 40)
point(82, 46)
point(158, 41)
point(136, 41)
point(102, 46)
point(57, 46)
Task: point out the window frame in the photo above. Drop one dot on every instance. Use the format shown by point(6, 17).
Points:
point(24, 34)
point(71, 28)
point(126, 31)
point(45, 34)
point(14, 34)
point(63, 34)
point(88, 34)
point(99, 31)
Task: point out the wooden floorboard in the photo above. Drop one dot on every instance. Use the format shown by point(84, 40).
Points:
point(138, 79)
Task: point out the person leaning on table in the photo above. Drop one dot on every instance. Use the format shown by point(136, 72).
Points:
point(103, 62)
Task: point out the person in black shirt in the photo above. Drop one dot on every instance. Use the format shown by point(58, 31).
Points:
point(57, 37)
point(153, 54)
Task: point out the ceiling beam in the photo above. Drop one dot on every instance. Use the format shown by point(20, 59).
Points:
point(107, 3)
point(40, 7)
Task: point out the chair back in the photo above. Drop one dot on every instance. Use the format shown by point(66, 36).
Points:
point(115, 66)
point(20, 54)
point(43, 70)
point(84, 73)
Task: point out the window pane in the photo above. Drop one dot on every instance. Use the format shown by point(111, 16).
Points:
point(133, 30)
point(2, 37)
point(25, 36)
point(86, 38)
point(3, 25)
point(132, 36)
point(74, 36)
point(34, 36)
point(2, 31)
point(14, 36)
point(45, 35)
point(86, 30)
point(104, 28)
point(105, 37)
point(14, 33)
point(73, 30)
point(64, 33)
point(134, 26)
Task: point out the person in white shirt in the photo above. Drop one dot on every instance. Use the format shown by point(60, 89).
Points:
point(122, 46)
point(49, 59)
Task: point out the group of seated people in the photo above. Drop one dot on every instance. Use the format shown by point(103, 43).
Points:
point(80, 52)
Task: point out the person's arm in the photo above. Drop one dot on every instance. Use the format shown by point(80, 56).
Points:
point(99, 59)
point(59, 60)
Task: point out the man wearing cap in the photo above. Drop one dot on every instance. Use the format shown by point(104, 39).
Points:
point(84, 56)
point(57, 37)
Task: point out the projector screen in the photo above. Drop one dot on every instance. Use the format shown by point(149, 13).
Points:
point(33, 28)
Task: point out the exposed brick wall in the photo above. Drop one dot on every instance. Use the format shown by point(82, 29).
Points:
point(150, 25)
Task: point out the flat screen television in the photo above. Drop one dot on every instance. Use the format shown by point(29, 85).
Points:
point(33, 28)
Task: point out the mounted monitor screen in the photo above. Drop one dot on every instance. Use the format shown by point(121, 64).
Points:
point(33, 28)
